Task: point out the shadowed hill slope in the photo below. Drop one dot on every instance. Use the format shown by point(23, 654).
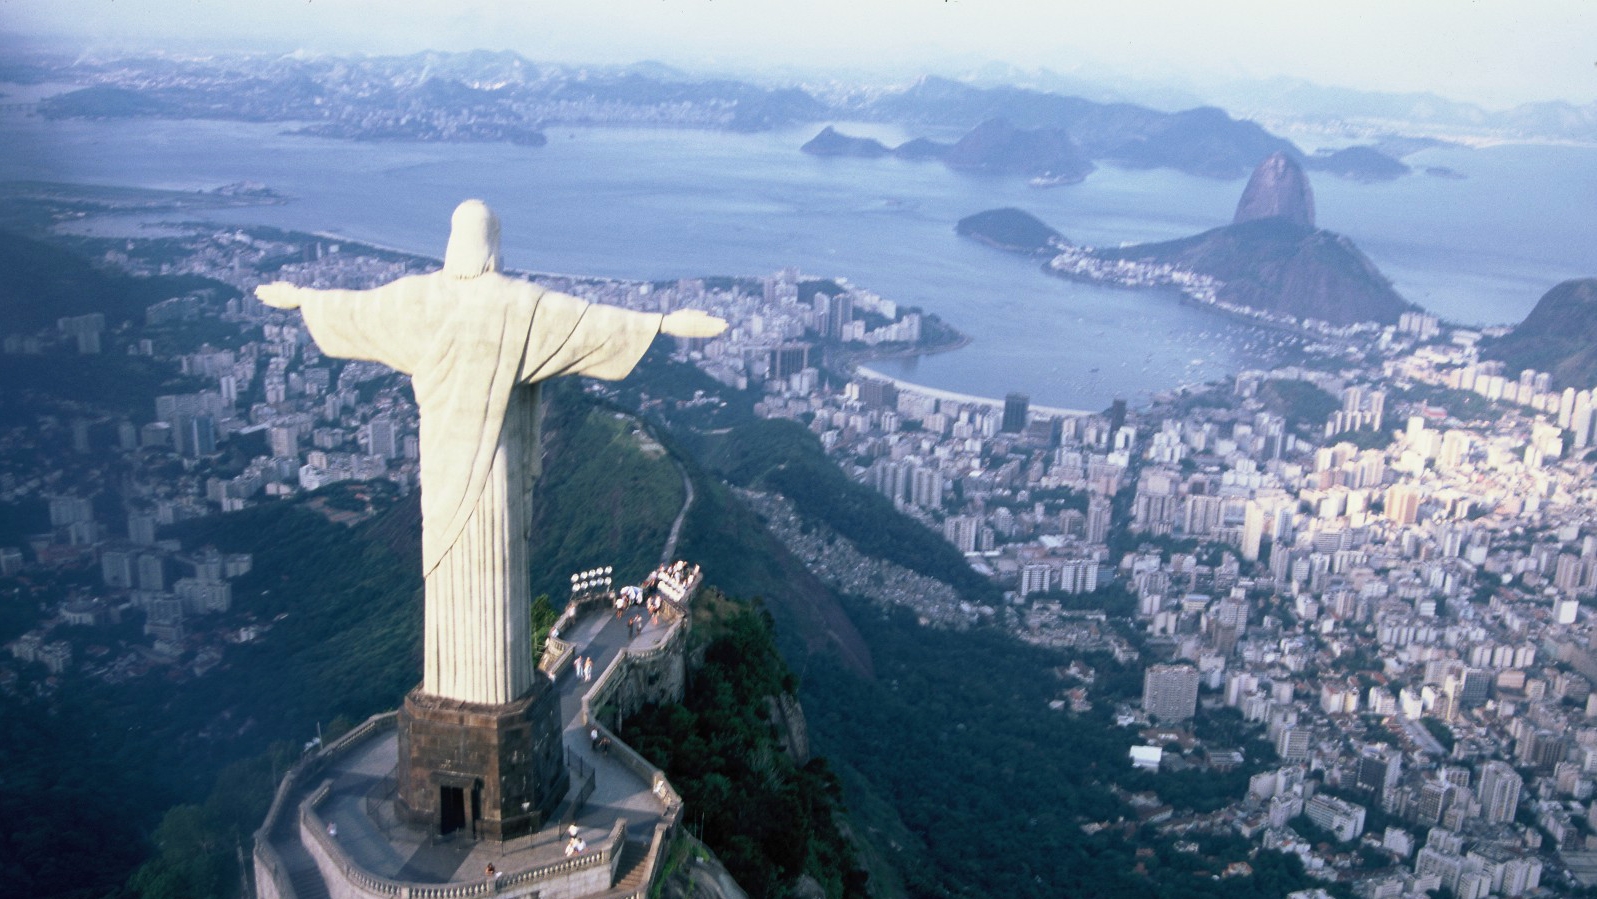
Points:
point(1559, 336)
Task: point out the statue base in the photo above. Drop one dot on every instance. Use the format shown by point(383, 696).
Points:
point(493, 772)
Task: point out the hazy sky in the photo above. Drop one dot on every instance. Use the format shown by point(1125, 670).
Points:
point(1493, 52)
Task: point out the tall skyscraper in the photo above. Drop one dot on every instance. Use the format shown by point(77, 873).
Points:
point(1170, 692)
point(1498, 792)
point(1252, 531)
point(1402, 504)
point(1098, 509)
point(199, 435)
point(384, 437)
point(1016, 406)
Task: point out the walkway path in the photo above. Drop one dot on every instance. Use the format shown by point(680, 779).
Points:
point(670, 554)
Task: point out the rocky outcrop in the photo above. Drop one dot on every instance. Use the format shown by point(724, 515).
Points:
point(792, 729)
point(997, 146)
point(1275, 265)
point(831, 142)
point(1278, 188)
point(700, 876)
point(921, 148)
point(1559, 336)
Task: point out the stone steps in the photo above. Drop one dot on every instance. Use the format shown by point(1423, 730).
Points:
point(308, 884)
point(632, 869)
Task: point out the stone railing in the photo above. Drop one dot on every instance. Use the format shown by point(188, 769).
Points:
point(267, 860)
point(659, 786)
point(606, 684)
point(610, 679)
point(268, 864)
point(356, 734)
point(676, 633)
point(557, 655)
point(330, 857)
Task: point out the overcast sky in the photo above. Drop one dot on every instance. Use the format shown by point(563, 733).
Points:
point(1493, 52)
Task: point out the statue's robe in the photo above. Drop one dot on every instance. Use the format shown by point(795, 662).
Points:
point(476, 348)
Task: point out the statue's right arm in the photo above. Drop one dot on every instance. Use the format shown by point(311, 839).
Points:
point(692, 323)
point(279, 295)
point(375, 325)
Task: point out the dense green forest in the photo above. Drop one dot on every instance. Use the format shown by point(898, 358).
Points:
point(956, 733)
point(769, 817)
point(607, 497)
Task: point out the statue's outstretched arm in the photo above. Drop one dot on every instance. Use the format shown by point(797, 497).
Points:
point(280, 294)
point(692, 323)
point(376, 325)
point(283, 295)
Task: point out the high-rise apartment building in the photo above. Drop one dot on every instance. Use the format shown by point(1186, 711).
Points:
point(1498, 791)
point(1170, 692)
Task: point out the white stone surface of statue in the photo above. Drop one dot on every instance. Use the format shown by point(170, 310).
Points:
point(476, 343)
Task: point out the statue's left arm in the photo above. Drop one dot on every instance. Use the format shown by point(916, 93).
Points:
point(377, 325)
point(575, 337)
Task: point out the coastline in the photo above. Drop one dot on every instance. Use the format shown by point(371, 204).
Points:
point(965, 398)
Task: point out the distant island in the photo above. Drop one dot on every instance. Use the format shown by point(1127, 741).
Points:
point(1358, 163)
point(1205, 142)
point(831, 142)
point(1011, 229)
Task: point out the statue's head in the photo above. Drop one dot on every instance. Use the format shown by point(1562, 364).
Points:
point(473, 241)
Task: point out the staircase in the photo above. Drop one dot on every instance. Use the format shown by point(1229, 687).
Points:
point(307, 883)
point(633, 869)
point(303, 875)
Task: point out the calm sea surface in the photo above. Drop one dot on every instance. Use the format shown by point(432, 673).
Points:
point(655, 204)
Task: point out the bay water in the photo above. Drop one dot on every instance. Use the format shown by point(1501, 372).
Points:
point(664, 204)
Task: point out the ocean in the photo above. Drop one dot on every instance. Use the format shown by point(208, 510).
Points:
point(663, 204)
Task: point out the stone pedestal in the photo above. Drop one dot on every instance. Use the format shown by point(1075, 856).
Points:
point(494, 772)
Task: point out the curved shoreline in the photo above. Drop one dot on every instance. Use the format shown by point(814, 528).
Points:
point(965, 398)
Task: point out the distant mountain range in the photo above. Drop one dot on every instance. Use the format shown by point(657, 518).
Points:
point(1056, 138)
point(1422, 113)
point(1203, 141)
point(1559, 336)
point(426, 97)
point(501, 96)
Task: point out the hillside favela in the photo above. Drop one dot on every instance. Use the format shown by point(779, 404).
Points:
point(535, 468)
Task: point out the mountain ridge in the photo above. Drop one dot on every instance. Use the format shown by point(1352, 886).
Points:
point(1559, 336)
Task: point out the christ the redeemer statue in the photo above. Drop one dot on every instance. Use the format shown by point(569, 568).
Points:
point(476, 343)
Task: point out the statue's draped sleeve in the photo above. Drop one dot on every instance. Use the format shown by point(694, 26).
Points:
point(377, 325)
point(493, 335)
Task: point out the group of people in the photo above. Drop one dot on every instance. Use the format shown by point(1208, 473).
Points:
point(574, 843)
point(600, 744)
point(583, 667)
point(647, 596)
point(673, 580)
